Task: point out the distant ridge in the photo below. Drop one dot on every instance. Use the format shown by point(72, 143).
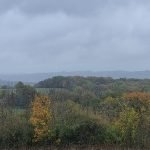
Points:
point(8, 83)
point(36, 77)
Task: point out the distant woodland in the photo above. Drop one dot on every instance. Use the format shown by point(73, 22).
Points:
point(76, 110)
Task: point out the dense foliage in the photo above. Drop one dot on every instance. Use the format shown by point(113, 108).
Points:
point(76, 110)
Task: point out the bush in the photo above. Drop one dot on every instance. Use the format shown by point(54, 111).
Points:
point(86, 132)
point(15, 130)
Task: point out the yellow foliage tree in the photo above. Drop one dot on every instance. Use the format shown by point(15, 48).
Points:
point(128, 125)
point(41, 117)
point(134, 121)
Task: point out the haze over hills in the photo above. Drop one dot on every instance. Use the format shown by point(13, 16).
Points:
point(36, 77)
point(8, 83)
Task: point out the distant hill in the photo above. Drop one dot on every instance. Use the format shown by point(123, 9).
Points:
point(27, 78)
point(90, 86)
point(7, 83)
point(36, 77)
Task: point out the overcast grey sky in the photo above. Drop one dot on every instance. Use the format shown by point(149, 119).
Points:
point(70, 35)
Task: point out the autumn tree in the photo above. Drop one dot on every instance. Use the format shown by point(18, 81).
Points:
point(128, 125)
point(41, 117)
point(140, 101)
point(135, 120)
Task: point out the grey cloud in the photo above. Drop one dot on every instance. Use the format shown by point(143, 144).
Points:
point(78, 7)
point(56, 35)
point(52, 6)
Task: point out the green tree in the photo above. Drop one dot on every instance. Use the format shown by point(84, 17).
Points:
point(24, 94)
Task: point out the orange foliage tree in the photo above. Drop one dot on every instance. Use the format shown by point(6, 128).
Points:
point(140, 101)
point(41, 117)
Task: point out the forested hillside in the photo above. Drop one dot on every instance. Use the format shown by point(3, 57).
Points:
point(62, 111)
point(36, 77)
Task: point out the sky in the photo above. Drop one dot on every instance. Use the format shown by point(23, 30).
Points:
point(74, 35)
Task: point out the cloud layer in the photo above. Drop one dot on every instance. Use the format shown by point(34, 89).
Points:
point(70, 35)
